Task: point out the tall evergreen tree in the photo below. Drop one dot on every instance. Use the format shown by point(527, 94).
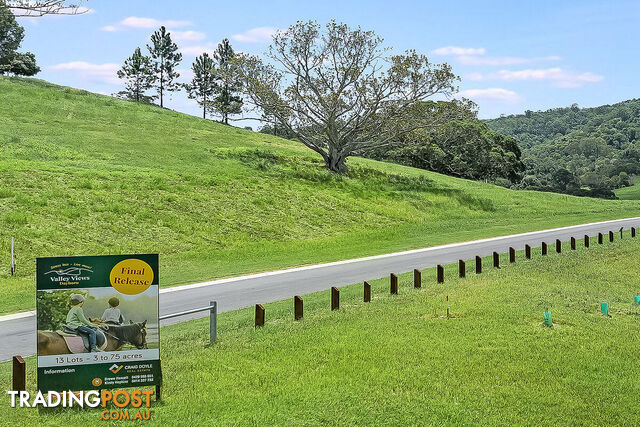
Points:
point(138, 75)
point(228, 84)
point(165, 57)
point(201, 87)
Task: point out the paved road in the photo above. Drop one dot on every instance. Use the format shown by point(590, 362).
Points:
point(17, 331)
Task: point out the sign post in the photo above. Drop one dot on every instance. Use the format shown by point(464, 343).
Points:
point(111, 299)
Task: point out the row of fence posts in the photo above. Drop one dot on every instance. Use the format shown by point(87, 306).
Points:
point(417, 275)
point(19, 367)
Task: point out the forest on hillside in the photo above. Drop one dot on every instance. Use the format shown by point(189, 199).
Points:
point(581, 151)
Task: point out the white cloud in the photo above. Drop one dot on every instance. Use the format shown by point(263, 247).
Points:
point(502, 60)
point(559, 77)
point(255, 35)
point(499, 61)
point(476, 77)
point(476, 56)
point(187, 36)
point(456, 50)
point(198, 50)
point(97, 73)
point(493, 94)
point(136, 22)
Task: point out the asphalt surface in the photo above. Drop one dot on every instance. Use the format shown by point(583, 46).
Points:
point(17, 335)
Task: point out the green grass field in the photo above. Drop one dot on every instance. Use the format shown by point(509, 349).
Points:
point(86, 174)
point(629, 193)
point(398, 361)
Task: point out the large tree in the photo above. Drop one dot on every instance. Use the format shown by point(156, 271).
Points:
point(227, 83)
point(463, 148)
point(201, 87)
point(165, 57)
point(138, 76)
point(11, 35)
point(339, 92)
point(35, 8)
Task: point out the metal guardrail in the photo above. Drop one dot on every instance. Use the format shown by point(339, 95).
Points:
point(212, 308)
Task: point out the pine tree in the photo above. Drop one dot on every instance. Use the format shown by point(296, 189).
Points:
point(165, 57)
point(228, 84)
point(138, 74)
point(201, 87)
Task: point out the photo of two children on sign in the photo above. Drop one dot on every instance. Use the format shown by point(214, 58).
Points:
point(93, 312)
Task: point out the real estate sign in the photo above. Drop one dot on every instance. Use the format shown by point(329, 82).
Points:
point(116, 294)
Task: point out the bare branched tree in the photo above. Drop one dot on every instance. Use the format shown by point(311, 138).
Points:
point(36, 8)
point(339, 93)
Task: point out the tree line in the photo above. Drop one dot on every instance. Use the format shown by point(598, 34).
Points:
point(581, 151)
point(333, 88)
point(214, 86)
point(337, 91)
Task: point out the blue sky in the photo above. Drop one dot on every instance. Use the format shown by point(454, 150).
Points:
point(511, 55)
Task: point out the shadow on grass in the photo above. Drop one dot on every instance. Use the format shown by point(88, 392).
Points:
point(360, 181)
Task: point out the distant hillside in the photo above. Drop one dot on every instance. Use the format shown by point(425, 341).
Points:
point(577, 150)
point(89, 174)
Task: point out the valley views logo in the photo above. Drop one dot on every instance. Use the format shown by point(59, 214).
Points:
point(69, 274)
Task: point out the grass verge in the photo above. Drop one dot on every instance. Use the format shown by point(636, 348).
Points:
point(397, 360)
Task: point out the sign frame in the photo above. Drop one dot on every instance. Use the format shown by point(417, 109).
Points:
point(134, 280)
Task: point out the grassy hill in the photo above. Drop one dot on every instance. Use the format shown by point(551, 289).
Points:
point(629, 193)
point(88, 174)
point(398, 361)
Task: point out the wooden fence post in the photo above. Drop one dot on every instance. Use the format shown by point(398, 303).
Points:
point(393, 279)
point(512, 255)
point(417, 278)
point(611, 236)
point(478, 265)
point(544, 248)
point(259, 316)
point(19, 374)
point(462, 268)
point(496, 260)
point(558, 246)
point(599, 238)
point(573, 243)
point(586, 241)
point(335, 298)
point(440, 274)
point(527, 251)
point(367, 292)
point(297, 307)
point(159, 382)
point(633, 232)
